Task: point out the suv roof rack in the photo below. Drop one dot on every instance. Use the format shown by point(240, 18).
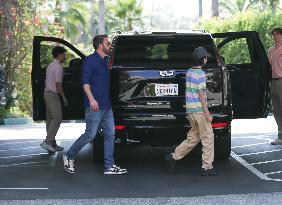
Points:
point(200, 30)
point(164, 32)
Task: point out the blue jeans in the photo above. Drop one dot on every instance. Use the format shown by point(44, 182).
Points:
point(94, 120)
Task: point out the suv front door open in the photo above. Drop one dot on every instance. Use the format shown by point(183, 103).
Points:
point(42, 56)
point(246, 60)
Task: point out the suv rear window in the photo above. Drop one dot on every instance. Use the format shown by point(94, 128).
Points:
point(161, 51)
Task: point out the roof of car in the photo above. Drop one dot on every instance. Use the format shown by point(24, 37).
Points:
point(162, 32)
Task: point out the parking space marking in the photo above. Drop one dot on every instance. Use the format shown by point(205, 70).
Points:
point(250, 137)
point(250, 166)
point(271, 173)
point(249, 145)
point(7, 150)
point(24, 155)
point(23, 188)
point(253, 169)
point(265, 162)
point(24, 163)
point(263, 152)
point(24, 152)
point(19, 142)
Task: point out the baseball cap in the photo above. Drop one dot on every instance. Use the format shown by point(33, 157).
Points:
point(200, 52)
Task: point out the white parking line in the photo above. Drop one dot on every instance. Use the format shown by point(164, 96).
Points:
point(6, 150)
point(253, 169)
point(258, 137)
point(23, 188)
point(50, 162)
point(265, 162)
point(25, 163)
point(250, 137)
point(249, 145)
point(271, 173)
point(19, 142)
point(250, 167)
point(24, 155)
point(256, 153)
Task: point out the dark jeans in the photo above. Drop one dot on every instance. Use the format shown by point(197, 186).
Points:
point(94, 120)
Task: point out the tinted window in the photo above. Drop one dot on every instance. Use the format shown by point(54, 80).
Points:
point(235, 51)
point(46, 54)
point(161, 51)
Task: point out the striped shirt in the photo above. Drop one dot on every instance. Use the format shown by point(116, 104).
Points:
point(195, 82)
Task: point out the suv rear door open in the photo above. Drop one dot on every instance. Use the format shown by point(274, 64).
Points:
point(42, 56)
point(249, 69)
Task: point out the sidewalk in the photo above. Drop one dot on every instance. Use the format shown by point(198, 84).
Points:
point(233, 199)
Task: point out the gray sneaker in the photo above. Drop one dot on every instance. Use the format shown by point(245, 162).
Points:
point(277, 142)
point(58, 148)
point(48, 147)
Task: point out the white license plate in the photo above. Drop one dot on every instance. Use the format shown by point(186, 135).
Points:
point(166, 89)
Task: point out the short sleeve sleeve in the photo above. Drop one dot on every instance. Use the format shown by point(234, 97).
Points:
point(269, 55)
point(58, 74)
point(201, 85)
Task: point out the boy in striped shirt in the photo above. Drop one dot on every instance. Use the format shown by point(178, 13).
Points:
point(198, 116)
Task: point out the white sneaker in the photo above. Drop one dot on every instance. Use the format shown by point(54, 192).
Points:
point(277, 142)
point(115, 170)
point(68, 164)
point(48, 147)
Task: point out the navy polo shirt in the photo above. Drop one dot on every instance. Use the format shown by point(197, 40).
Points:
point(96, 73)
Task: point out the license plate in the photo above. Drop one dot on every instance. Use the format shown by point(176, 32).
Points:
point(166, 89)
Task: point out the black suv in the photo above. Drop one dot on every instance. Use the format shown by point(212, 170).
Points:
point(148, 84)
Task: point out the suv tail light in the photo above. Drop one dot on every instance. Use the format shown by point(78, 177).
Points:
point(219, 125)
point(112, 60)
point(119, 127)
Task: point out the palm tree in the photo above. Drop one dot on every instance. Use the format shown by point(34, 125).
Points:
point(71, 17)
point(273, 4)
point(200, 8)
point(215, 8)
point(235, 6)
point(126, 13)
point(102, 27)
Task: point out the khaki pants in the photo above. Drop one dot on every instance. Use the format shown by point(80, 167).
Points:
point(201, 131)
point(276, 95)
point(53, 115)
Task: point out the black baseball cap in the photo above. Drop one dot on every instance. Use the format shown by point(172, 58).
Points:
point(200, 52)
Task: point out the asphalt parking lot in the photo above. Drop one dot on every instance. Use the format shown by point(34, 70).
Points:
point(28, 172)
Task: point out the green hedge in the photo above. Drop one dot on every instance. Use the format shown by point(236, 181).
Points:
point(245, 21)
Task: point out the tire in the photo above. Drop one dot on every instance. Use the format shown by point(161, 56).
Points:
point(222, 145)
point(98, 148)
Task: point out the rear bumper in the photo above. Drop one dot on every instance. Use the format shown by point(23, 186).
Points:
point(158, 136)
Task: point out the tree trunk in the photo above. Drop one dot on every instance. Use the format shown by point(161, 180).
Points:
point(215, 8)
point(58, 9)
point(102, 27)
point(273, 5)
point(200, 8)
